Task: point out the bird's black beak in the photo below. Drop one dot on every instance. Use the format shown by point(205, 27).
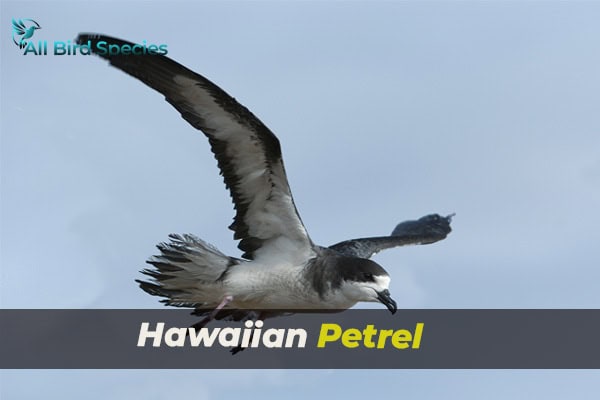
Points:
point(386, 299)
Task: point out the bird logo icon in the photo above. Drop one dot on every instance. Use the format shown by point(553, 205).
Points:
point(22, 32)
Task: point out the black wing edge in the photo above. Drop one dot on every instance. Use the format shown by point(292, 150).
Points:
point(156, 71)
point(425, 230)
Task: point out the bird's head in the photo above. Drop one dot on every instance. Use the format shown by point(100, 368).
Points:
point(365, 280)
point(34, 25)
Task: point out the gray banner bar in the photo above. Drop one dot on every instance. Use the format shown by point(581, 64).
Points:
point(412, 339)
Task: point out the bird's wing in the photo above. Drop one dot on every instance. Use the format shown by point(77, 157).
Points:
point(18, 27)
point(425, 230)
point(247, 152)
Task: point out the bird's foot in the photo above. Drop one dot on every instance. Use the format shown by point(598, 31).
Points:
point(236, 350)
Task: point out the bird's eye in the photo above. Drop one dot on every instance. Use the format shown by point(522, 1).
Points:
point(369, 276)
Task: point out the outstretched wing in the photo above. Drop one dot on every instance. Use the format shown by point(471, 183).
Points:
point(425, 230)
point(18, 27)
point(247, 152)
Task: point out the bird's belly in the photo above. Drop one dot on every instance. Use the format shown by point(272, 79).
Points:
point(287, 300)
point(278, 288)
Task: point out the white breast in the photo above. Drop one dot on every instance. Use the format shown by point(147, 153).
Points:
point(258, 286)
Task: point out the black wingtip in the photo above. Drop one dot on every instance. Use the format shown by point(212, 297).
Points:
point(94, 38)
point(450, 216)
point(85, 37)
point(432, 224)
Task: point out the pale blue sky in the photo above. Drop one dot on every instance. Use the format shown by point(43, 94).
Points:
point(386, 111)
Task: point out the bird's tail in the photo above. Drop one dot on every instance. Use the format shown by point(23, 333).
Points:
point(188, 272)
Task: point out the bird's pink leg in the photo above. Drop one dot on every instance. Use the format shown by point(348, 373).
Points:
point(226, 300)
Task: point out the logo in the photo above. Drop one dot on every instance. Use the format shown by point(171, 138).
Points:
point(23, 30)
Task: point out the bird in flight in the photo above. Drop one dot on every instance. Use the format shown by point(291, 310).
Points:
point(280, 268)
point(20, 29)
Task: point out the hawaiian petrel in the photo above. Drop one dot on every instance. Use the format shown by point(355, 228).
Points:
point(281, 268)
